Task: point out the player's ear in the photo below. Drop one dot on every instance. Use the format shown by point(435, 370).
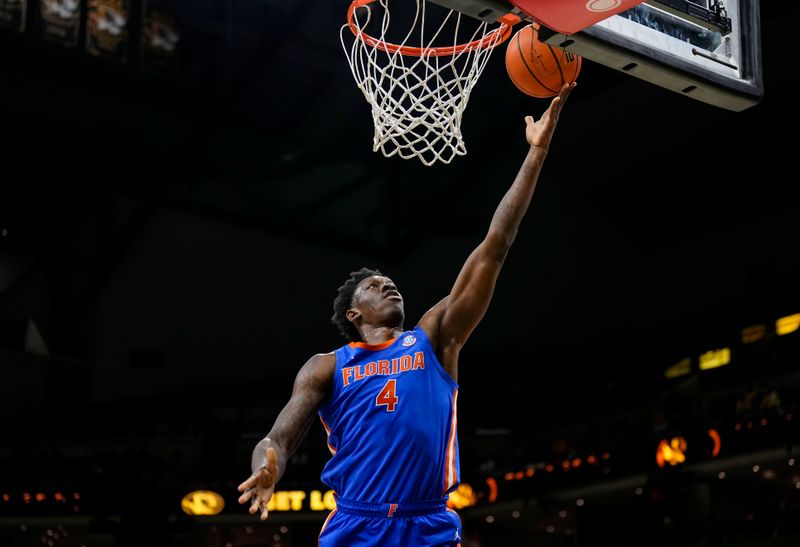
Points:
point(352, 314)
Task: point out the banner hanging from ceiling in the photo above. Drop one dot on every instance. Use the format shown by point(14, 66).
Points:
point(12, 14)
point(160, 40)
point(59, 21)
point(107, 29)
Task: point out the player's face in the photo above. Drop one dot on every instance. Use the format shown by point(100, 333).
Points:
point(378, 300)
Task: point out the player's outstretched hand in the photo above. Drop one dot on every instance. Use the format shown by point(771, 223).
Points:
point(259, 487)
point(540, 132)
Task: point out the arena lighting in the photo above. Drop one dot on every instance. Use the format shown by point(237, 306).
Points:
point(492, 484)
point(715, 358)
point(671, 452)
point(717, 442)
point(202, 502)
point(753, 333)
point(294, 500)
point(681, 368)
point(464, 496)
point(788, 324)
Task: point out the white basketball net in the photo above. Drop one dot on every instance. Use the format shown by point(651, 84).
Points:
point(417, 99)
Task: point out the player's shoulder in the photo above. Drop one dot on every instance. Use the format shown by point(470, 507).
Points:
point(319, 368)
point(430, 322)
point(322, 359)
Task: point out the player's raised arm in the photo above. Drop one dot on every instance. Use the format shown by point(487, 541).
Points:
point(311, 386)
point(451, 321)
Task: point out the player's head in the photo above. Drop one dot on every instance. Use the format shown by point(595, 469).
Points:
point(367, 296)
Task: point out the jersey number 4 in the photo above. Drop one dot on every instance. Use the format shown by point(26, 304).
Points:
point(387, 397)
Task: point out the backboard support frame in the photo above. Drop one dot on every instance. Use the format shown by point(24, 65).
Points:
point(729, 76)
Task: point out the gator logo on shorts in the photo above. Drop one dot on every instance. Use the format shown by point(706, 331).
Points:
point(409, 340)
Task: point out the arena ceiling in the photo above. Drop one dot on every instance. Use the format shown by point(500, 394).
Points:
point(209, 218)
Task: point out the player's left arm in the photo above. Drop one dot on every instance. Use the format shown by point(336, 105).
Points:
point(450, 323)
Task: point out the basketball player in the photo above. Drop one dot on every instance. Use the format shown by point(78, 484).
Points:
point(388, 398)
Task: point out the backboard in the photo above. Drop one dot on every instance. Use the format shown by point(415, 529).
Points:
point(707, 50)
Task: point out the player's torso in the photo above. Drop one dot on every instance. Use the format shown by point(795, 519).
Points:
point(391, 418)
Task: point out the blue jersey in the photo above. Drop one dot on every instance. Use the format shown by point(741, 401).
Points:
point(391, 423)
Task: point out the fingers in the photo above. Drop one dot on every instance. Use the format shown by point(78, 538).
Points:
point(558, 101)
point(261, 503)
point(566, 89)
point(249, 483)
point(258, 494)
point(244, 498)
point(248, 488)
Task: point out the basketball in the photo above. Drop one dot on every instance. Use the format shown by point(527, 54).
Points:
point(539, 69)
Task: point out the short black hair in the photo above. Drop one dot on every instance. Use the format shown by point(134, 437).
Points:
point(344, 301)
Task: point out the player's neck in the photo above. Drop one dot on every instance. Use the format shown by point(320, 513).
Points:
point(373, 335)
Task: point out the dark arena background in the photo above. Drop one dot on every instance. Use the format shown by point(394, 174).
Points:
point(175, 221)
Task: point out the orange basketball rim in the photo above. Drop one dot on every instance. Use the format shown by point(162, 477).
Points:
point(490, 40)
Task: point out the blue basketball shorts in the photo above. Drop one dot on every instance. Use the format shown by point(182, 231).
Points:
point(418, 524)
